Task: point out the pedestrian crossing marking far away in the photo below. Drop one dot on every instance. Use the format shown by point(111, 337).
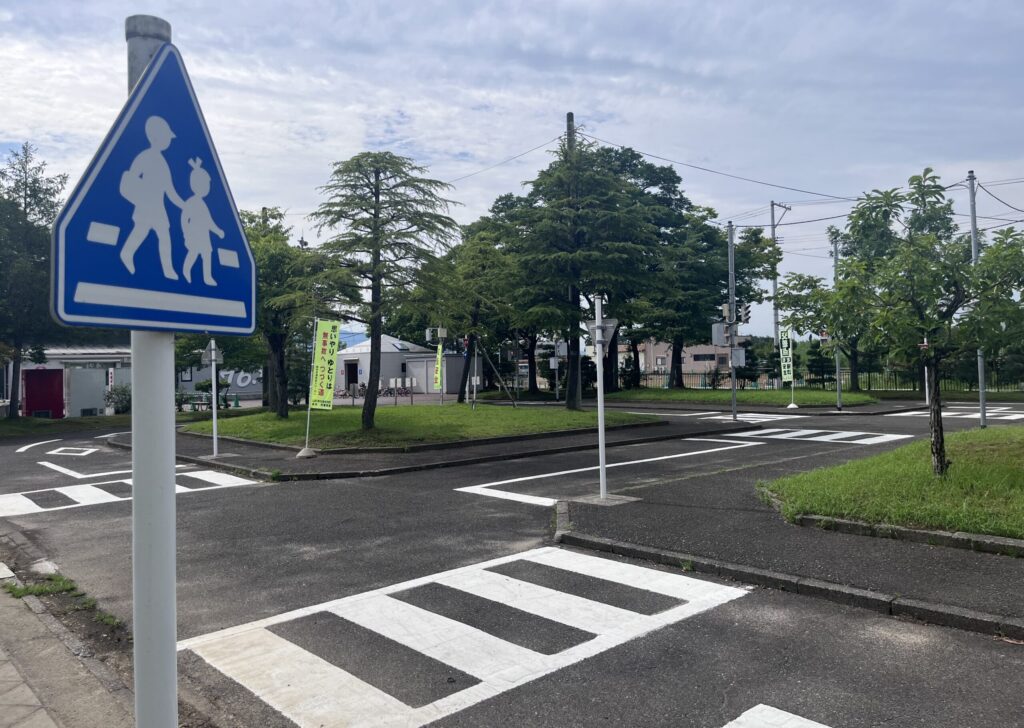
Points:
point(765, 716)
point(313, 690)
point(847, 438)
point(110, 491)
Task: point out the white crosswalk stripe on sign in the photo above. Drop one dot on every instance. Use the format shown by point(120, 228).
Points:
point(846, 438)
point(312, 691)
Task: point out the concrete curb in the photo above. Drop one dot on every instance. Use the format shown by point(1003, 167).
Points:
point(344, 474)
point(941, 614)
point(109, 679)
point(1013, 547)
point(816, 410)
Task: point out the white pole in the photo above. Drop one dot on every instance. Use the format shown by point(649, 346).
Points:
point(975, 253)
point(732, 316)
point(599, 345)
point(927, 388)
point(154, 598)
point(213, 363)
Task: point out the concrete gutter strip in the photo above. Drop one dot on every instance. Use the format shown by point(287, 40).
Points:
point(940, 614)
point(959, 539)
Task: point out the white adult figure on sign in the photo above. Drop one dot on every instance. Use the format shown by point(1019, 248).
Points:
point(145, 185)
point(197, 224)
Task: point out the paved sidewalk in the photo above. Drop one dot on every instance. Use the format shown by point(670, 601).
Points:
point(42, 684)
point(261, 461)
point(723, 521)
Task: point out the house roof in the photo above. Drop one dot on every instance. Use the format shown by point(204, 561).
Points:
point(388, 344)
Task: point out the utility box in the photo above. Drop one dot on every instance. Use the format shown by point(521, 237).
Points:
point(719, 334)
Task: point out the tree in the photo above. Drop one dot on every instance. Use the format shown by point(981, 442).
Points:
point(293, 286)
point(925, 288)
point(29, 202)
point(387, 221)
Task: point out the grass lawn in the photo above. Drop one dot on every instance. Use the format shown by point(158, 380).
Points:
point(983, 492)
point(779, 397)
point(409, 425)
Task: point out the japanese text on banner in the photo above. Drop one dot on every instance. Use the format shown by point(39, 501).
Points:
point(325, 361)
point(786, 355)
point(437, 369)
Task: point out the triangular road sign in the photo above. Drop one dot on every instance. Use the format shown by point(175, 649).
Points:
point(150, 238)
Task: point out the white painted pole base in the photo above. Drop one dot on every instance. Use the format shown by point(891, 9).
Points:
point(306, 452)
point(792, 405)
point(154, 611)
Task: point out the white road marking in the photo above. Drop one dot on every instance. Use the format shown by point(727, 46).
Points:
point(17, 504)
point(765, 716)
point(755, 417)
point(87, 495)
point(1008, 413)
point(77, 452)
point(844, 438)
point(23, 448)
point(112, 434)
point(217, 478)
point(310, 692)
point(80, 476)
point(488, 489)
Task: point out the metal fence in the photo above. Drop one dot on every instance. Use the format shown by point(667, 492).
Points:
point(887, 381)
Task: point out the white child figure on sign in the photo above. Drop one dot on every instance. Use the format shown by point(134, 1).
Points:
point(197, 224)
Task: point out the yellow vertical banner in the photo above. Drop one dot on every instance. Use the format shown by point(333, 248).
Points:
point(325, 362)
point(437, 369)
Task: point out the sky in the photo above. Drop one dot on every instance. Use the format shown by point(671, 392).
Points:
point(826, 97)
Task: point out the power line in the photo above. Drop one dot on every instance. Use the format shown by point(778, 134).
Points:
point(1017, 209)
point(1005, 224)
point(504, 161)
point(715, 171)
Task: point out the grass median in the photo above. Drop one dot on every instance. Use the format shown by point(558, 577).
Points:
point(776, 397)
point(398, 426)
point(982, 493)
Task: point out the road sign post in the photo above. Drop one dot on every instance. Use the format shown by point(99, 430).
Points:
point(212, 357)
point(125, 252)
point(598, 327)
point(786, 364)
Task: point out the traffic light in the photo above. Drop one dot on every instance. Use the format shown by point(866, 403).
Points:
point(744, 313)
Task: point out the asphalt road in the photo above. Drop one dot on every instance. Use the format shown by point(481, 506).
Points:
point(437, 596)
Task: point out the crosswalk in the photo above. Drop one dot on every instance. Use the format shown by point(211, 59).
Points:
point(108, 491)
point(845, 437)
point(414, 652)
point(1009, 414)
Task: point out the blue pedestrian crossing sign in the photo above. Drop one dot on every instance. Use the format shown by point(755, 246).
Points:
point(151, 238)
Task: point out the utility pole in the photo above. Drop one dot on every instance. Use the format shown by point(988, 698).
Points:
point(775, 280)
point(835, 340)
point(574, 390)
point(731, 322)
point(975, 253)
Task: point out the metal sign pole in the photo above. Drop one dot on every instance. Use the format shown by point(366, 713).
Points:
point(599, 345)
point(154, 598)
point(213, 363)
point(306, 452)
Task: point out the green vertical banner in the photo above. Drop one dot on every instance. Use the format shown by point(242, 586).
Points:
point(786, 355)
point(437, 369)
point(325, 362)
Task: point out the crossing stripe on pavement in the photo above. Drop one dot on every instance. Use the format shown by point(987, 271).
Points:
point(87, 494)
point(312, 692)
point(765, 716)
point(845, 438)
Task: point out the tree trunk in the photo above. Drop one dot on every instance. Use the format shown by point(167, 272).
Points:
point(467, 368)
point(634, 348)
point(376, 282)
point(611, 363)
point(675, 376)
point(573, 390)
point(266, 382)
point(279, 393)
point(15, 401)
point(531, 364)
point(854, 356)
point(939, 463)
